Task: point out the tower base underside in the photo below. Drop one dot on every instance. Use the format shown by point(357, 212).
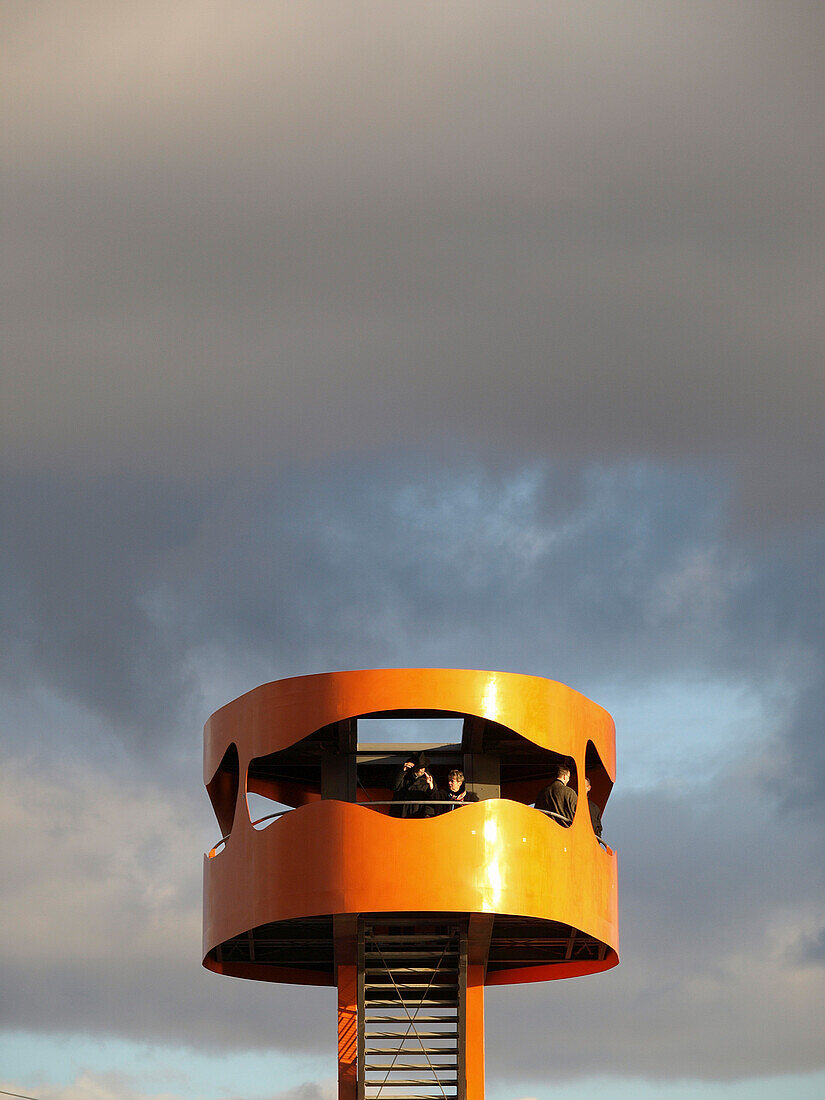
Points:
point(519, 949)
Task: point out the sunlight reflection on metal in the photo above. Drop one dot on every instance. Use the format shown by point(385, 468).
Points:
point(492, 867)
point(489, 703)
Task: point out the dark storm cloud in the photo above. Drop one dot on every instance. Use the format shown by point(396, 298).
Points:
point(588, 230)
point(628, 572)
point(516, 568)
point(77, 563)
point(151, 606)
point(114, 591)
point(780, 605)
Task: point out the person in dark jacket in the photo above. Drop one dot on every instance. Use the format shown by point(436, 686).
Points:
point(456, 792)
point(413, 785)
point(558, 798)
point(595, 812)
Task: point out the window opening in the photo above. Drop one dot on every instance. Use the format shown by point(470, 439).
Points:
point(409, 731)
point(259, 806)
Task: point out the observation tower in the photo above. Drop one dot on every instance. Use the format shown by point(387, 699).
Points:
point(408, 917)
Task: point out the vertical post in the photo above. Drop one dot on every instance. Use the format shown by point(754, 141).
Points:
point(347, 1032)
point(473, 1038)
point(361, 1014)
point(479, 935)
point(461, 1092)
point(346, 967)
point(338, 777)
point(483, 772)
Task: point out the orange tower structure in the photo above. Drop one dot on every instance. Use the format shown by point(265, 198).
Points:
point(409, 917)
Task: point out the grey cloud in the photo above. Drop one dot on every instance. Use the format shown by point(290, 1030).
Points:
point(780, 606)
point(102, 905)
point(152, 606)
point(627, 572)
point(811, 949)
point(715, 888)
point(176, 1002)
point(709, 883)
point(119, 1086)
point(116, 591)
point(310, 1091)
point(77, 560)
point(571, 234)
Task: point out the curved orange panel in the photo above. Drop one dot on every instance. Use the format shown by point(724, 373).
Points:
point(489, 857)
point(331, 858)
point(277, 715)
point(222, 788)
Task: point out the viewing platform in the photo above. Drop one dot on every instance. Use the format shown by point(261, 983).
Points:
point(331, 889)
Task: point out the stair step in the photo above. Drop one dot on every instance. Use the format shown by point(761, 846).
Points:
point(427, 1003)
point(406, 1019)
point(418, 952)
point(408, 1052)
point(411, 1081)
point(437, 993)
point(412, 970)
point(405, 937)
point(413, 983)
point(418, 1035)
point(386, 987)
point(396, 1067)
point(418, 977)
point(411, 1052)
point(409, 992)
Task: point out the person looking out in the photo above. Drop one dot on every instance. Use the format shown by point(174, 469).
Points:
point(595, 812)
point(413, 786)
point(456, 792)
point(558, 798)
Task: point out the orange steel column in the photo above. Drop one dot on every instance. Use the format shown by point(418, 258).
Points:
point(347, 1032)
point(288, 898)
point(346, 978)
point(474, 1033)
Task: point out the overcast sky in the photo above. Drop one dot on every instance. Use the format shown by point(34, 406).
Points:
point(344, 335)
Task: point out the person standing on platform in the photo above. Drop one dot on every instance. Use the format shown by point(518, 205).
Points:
point(456, 792)
point(595, 812)
point(558, 798)
point(413, 786)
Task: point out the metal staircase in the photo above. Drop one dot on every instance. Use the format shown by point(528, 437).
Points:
point(411, 996)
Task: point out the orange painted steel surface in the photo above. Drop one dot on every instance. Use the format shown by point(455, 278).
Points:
point(494, 856)
point(330, 857)
point(276, 715)
point(474, 1043)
